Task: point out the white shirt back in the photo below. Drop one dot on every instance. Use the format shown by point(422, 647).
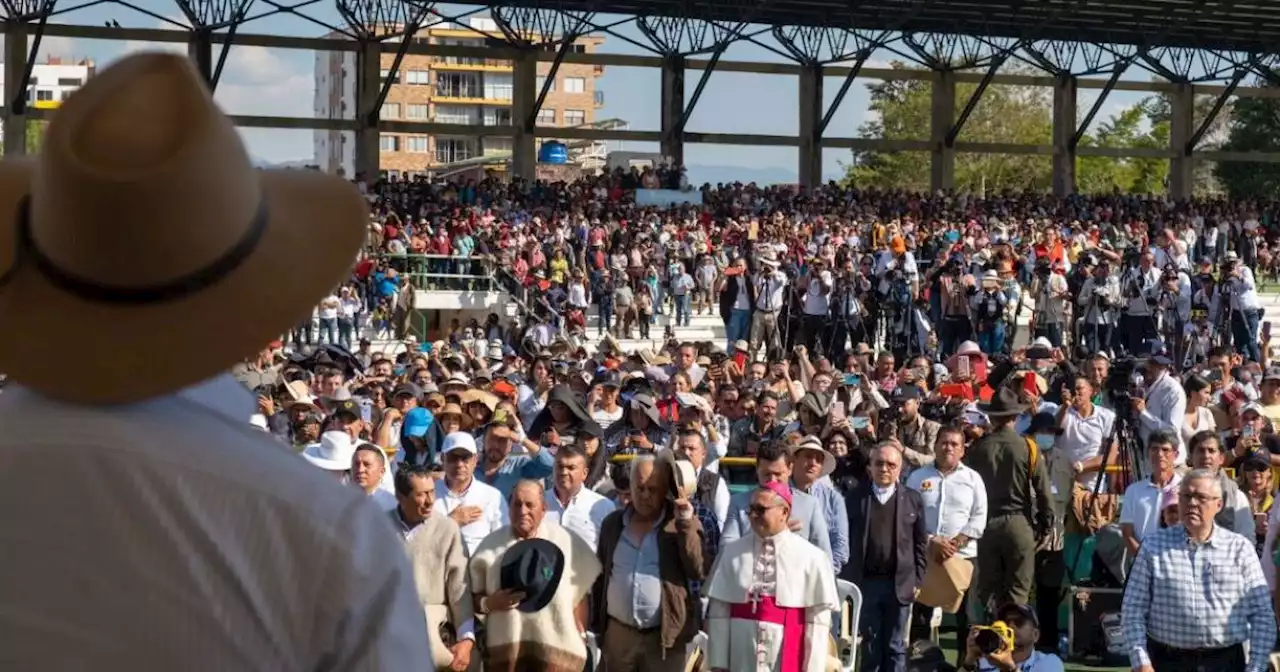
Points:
point(170, 534)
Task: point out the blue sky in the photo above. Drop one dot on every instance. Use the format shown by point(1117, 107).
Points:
point(281, 82)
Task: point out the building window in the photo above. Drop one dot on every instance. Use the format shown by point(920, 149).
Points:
point(546, 117)
point(390, 111)
point(386, 74)
point(416, 144)
point(497, 86)
point(497, 116)
point(44, 94)
point(457, 114)
point(418, 111)
point(542, 80)
point(449, 150)
point(574, 117)
point(497, 145)
point(417, 77)
point(458, 85)
point(575, 85)
point(70, 81)
point(389, 143)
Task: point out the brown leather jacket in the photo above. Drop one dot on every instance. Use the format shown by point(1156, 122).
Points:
point(680, 561)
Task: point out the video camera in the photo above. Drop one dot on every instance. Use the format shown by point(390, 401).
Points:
point(1124, 379)
point(1042, 267)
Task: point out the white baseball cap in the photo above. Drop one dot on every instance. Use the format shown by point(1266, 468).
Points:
point(459, 441)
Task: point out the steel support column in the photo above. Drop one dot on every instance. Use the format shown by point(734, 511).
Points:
point(1064, 129)
point(942, 116)
point(15, 62)
point(524, 100)
point(672, 111)
point(1181, 128)
point(200, 50)
point(368, 88)
point(811, 115)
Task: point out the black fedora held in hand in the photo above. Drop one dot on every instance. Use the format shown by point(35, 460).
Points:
point(1004, 403)
point(533, 567)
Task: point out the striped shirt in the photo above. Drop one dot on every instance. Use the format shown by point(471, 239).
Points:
point(1197, 596)
point(225, 551)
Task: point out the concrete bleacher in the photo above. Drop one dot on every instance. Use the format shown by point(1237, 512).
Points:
point(709, 327)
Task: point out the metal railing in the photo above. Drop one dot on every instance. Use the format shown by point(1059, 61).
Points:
point(440, 272)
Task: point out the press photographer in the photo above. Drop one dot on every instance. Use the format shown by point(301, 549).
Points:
point(953, 288)
point(1098, 301)
point(988, 308)
point(1008, 644)
point(1049, 287)
point(1137, 282)
point(1242, 310)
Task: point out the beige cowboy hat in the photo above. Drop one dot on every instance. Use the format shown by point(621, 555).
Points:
point(144, 223)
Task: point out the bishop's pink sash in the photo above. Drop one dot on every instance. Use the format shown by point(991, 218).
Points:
point(790, 618)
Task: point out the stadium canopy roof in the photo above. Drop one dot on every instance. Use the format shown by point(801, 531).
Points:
point(1222, 25)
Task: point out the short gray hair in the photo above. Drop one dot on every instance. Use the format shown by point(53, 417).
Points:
point(528, 483)
point(1202, 475)
point(634, 467)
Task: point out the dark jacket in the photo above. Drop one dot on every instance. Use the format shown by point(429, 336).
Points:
point(910, 542)
point(680, 561)
point(729, 295)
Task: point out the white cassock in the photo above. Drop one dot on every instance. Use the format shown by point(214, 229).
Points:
point(771, 603)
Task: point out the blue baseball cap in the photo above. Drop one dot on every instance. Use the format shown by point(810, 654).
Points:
point(416, 423)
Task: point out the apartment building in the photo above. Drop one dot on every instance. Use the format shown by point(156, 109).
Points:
point(52, 82)
point(447, 90)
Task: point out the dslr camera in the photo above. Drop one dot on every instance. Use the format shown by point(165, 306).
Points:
point(993, 638)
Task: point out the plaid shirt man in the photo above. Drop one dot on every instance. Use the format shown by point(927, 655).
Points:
point(710, 537)
point(1198, 596)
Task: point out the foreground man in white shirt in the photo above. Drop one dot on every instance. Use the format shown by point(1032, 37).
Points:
point(955, 507)
point(478, 508)
point(771, 595)
point(1196, 592)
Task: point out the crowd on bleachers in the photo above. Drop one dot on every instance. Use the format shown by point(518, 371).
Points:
point(879, 419)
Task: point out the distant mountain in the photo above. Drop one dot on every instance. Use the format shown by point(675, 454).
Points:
point(762, 175)
point(297, 163)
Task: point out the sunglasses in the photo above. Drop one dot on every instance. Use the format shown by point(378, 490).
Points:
point(758, 510)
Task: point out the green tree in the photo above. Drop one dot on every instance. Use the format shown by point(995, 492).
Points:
point(35, 135)
point(1254, 127)
point(1005, 114)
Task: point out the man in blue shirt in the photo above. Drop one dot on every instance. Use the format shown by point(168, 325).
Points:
point(502, 470)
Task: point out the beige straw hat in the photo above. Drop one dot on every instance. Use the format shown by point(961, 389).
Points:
point(144, 253)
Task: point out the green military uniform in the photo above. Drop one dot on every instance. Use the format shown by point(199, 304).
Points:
point(1019, 511)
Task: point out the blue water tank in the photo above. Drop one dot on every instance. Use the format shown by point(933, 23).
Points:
point(553, 152)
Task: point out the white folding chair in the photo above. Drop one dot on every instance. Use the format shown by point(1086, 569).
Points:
point(850, 611)
point(593, 652)
point(695, 653)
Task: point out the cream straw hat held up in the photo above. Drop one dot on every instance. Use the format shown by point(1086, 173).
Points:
point(141, 252)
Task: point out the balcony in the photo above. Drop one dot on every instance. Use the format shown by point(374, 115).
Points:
point(469, 64)
point(451, 283)
point(465, 95)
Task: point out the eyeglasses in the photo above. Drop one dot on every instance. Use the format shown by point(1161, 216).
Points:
point(1197, 498)
point(881, 464)
point(758, 510)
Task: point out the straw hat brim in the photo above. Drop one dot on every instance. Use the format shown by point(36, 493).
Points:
point(315, 228)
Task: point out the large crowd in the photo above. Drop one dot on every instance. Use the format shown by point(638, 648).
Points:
point(872, 424)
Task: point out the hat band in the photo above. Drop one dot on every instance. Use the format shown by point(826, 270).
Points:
point(90, 290)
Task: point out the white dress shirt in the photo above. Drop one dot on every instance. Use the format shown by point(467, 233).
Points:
point(817, 295)
point(1166, 409)
point(143, 542)
point(770, 290)
point(1082, 438)
point(1141, 507)
point(583, 516)
point(883, 493)
point(483, 495)
point(954, 503)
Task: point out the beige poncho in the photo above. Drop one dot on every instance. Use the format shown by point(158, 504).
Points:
point(548, 639)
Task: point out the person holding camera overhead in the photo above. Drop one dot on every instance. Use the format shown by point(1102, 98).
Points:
point(953, 288)
point(1008, 644)
point(1049, 287)
point(1139, 284)
point(1098, 298)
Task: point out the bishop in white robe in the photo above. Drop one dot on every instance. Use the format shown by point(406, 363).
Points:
point(771, 595)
